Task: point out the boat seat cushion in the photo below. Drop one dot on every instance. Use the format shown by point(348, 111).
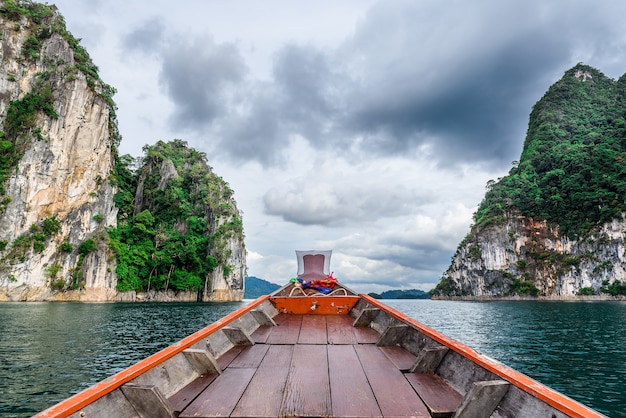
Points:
point(313, 267)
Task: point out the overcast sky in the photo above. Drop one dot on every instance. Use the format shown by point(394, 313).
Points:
point(367, 127)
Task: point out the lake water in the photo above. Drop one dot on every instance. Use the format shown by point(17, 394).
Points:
point(49, 351)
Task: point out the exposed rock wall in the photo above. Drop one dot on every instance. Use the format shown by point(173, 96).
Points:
point(63, 175)
point(58, 138)
point(489, 260)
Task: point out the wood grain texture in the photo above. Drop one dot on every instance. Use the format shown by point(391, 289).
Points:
point(287, 331)
point(250, 356)
point(307, 391)
point(440, 398)
point(221, 397)
point(393, 392)
point(351, 394)
point(186, 395)
point(401, 358)
point(365, 335)
point(313, 330)
point(340, 329)
point(264, 395)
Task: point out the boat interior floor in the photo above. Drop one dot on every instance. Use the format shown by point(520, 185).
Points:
point(316, 365)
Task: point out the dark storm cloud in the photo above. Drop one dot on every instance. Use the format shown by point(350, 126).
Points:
point(256, 132)
point(198, 76)
point(474, 114)
point(301, 99)
point(146, 38)
point(309, 89)
point(459, 77)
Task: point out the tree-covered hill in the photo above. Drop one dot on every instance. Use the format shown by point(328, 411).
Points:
point(176, 217)
point(256, 287)
point(401, 294)
point(555, 225)
point(572, 170)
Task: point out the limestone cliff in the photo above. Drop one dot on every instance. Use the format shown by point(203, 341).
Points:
point(56, 195)
point(555, 226)
point(77, 222)
point(528, 258)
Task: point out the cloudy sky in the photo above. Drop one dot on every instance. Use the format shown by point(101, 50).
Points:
point(366, 127)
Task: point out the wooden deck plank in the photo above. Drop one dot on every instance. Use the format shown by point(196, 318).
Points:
point(281, 317)
point(264, 394)
point(393, 392)
point(186, 395)
point(313, 330)
point(221, 397)
point(351, 394)
point(287, 330)
point(366, 335)
point(251, 356)
point(440, 398)
point(399, 356)
point(224, 360)
point(340, 329)
point(260, 335)
point(307, 391)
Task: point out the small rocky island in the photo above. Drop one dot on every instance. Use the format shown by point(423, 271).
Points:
point(80, 222)
point(554, 227)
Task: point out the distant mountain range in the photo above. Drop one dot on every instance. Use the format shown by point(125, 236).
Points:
point(256, 287)
point(401, 294)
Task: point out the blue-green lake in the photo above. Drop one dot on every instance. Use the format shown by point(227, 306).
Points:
point(49, 351)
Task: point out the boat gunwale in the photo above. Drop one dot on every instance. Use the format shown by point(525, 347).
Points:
point(542, 392)
point(91, 394)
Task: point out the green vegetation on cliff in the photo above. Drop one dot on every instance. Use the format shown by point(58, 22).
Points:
point(19, 127)
point(572, 170)
point(256, 287)
point(175, 216)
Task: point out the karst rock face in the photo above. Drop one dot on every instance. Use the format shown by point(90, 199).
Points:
point(491, 259)
point(555, 226)
point(59, 191)
point(59, 181)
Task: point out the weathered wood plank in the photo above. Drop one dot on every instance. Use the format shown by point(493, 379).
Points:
point(251, 356)
point(264, 395)
point(351, 394)
point(428, 359)
point(440, 398)
point(237, 336)
point(482, 398)
point(307, 391)
point(278, 319)
point(221, 397)
point(365, 317)
point(186, 395)
point(392, 335)
point(202, 361)
point(400, 357)
point(262, 318)
point(365, 335)
point(287, 330)
point(393, 392)
point(260, 335)
point(340, 330)
point(148, 401)
point(313, 330)
point(224, 360)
